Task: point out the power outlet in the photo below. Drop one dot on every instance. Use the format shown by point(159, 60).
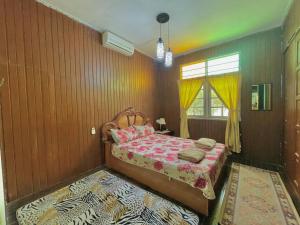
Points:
point(93, 131)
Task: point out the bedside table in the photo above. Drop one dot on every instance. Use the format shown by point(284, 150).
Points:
point(165, 132)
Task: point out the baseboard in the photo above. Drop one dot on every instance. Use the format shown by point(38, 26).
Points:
point(12, 206)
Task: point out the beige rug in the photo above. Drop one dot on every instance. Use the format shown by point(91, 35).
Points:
point(257, 197)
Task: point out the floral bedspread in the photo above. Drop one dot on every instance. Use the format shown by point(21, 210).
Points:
point(159, 153)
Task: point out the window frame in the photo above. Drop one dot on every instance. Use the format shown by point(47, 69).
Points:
point(189, 64)
point(223, 56)
point(207, 88)
point(207, 105)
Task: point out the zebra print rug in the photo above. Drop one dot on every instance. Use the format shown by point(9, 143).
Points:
point(103, 198)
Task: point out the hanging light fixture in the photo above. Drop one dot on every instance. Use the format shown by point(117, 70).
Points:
point(169, 54)
point(169, 58)
point(160, 47)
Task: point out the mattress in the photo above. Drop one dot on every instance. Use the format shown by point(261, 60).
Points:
point(103, 198)
point(159, 153)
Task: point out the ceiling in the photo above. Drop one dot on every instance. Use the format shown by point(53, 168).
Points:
point(194, 24)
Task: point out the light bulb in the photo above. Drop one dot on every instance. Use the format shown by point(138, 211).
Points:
point(169, 58)
point(160, 49)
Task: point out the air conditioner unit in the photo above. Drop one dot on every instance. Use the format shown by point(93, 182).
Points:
point(112, 41)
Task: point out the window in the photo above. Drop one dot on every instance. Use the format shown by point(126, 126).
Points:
point(207, 104)
point(216, 106)
point(217, 66)
point(193, 70)
point(223, 65)
point(197, 107)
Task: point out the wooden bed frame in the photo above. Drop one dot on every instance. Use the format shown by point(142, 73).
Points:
point(173, 189)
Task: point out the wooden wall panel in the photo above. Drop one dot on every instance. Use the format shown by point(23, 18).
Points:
point(260, 59)
point(59, 83)
point(291, 36)
point(208, 128)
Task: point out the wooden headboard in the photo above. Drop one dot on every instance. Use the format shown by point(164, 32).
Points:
point(124, 119)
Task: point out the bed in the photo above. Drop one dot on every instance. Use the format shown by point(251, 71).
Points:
point(152, 161)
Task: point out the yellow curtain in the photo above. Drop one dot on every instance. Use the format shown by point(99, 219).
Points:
point(227, 88)
point(188, 90)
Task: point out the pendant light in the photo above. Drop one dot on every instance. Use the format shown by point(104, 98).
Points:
point(160, 47)
point(169, 58)
point(169, 54)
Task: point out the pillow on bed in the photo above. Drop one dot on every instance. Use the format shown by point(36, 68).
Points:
point(124, 135)
point(145, 130)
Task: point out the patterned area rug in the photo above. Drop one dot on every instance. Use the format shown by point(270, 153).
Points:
point(103, 198)
point(257, 197)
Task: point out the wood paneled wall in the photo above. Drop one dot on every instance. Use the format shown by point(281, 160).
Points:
point(208, 128)
point(59, 83)
point(260, 59)
point(292, 100)
point(292, 21)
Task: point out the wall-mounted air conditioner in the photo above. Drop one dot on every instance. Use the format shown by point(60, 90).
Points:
point(112, 41)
